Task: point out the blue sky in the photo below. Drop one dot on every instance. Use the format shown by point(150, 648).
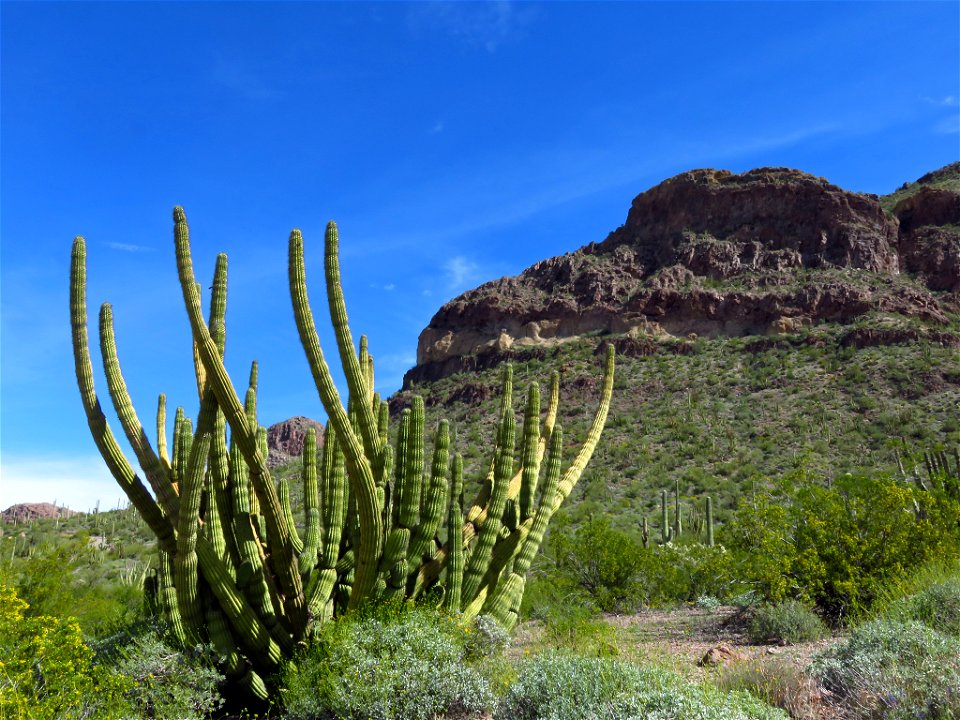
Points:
point(453, 142)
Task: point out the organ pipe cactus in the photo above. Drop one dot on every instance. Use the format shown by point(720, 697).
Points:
point(380, 521)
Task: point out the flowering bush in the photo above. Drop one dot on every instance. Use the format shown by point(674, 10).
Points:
point(47, 671)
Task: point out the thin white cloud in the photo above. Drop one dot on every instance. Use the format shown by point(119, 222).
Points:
point(78, 483)
point(390, 287)
point(128, 247)
point(946, 101)
point(487, 25)
point(438, 127)
point(459, 271)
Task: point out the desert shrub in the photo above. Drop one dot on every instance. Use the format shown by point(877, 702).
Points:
point(777, 682)
point(165, 682)
point(602, 562)
point(396, 664)
point(560, 687)
point(788, 622)
point(680, 573)
point(710, 603)
point(47, 671)
point(485, 638)
point(63, 579)
point(759, 536)
point(893, 670)
point(577, 628)
point(840, 546)
point(937, 606)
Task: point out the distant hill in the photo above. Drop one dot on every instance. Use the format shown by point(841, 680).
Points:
point(27, 512)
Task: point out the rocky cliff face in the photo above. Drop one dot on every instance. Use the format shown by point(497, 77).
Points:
point(714, 253)
point(285, 439)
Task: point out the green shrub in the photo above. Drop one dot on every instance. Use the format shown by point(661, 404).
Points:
point(62, 577)
point(788, 623)
point(936, 606)
point(893, 670)
point(577, 629)
point(560, 687)
point(399, 664)
point(674, 574)
point(603, 562)
point(840, 546)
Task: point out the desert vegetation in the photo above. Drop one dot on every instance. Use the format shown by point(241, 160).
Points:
point(768, 528)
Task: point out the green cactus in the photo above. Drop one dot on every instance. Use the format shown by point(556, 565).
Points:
point(666, 532)
point(377, 524)
point(710, 541)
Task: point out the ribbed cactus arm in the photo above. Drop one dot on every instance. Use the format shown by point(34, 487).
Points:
point(311, 504)
point(355, 373)
point(99, 429)
point(545, 509)
point(156, 474)
point(185, 563)
point(530, 456)
point(227, 398)
point(162, 432)
point(573, 473)
point(358, 467)
point(480, 557)
point(286, 564)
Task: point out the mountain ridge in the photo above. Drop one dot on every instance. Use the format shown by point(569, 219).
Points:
point(713, 253)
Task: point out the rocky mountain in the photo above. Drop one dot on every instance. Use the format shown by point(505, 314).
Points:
point(285, 439)
point(709, 253)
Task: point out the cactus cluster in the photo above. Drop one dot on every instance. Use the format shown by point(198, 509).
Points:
point(378, 521)
point(940, 475)
point(672, 531)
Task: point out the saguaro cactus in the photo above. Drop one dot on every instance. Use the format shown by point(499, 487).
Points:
point(378, 522)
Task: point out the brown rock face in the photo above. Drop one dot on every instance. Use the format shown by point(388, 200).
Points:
point(25, 512)
point(718, 224)
point(712, 253)
point(930, 236)
point(285, 439)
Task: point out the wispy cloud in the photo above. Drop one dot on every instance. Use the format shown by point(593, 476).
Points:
point(480, 24)
point(438, 127)
point(75, 482)
point(948, 126)
point(459, 272)
point(511, 190)
point(945, 101)
point(128, 247)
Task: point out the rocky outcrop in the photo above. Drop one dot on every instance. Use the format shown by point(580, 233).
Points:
point(713, 253)
point(285, 439)
point(930, 236)
point(27, 512)
point(718, 224)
